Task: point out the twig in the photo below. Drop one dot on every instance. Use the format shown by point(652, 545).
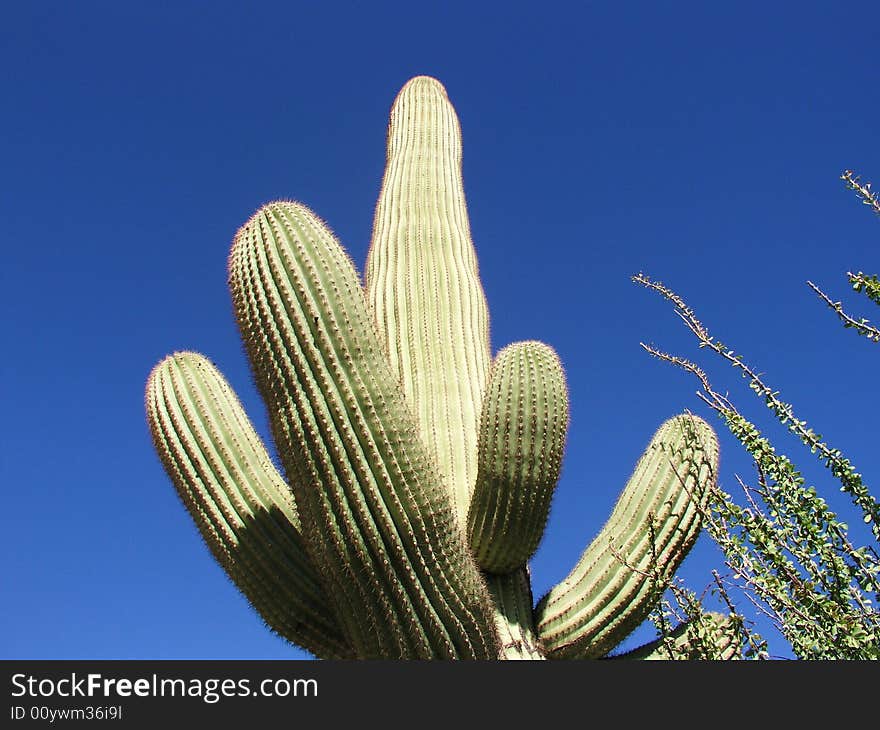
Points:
point(861, 326)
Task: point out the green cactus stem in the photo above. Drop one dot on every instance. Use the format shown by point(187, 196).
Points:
point(415, 487)
point(244, 510)
point(522, 439)
point(379, 526)
point(654, 524)
point(512, 597)
point(423, 285)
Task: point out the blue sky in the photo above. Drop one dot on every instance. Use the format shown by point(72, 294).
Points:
point(700, 143)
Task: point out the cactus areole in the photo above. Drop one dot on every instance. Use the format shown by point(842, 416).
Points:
point(418, 470)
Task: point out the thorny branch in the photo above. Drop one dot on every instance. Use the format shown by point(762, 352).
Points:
point(840, 467)
point(862, 326)
point(812, 591)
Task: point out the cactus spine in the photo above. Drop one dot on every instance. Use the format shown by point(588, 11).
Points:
point(418, 472)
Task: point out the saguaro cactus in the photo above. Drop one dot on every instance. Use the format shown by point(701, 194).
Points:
point(418, 471)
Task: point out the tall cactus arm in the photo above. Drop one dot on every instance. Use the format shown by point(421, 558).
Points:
point(239, 501)
point(423, 284)
point(523, 424)
point(653, 526)
point(379, 525)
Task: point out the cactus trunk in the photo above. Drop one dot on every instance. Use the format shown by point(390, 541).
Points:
point(423, 285)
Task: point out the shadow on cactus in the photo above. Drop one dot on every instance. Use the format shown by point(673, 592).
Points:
point(418, 471)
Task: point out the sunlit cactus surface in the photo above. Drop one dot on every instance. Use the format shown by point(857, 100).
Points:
point(417, 470)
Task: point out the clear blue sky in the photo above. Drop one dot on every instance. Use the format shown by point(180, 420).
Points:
point(698, 142)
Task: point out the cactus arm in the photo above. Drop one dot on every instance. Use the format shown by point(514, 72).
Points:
point(653, 526)
point(379, 525)
point(523, 424)
point(243, 508)
point(423, 285)
point(722, 637)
